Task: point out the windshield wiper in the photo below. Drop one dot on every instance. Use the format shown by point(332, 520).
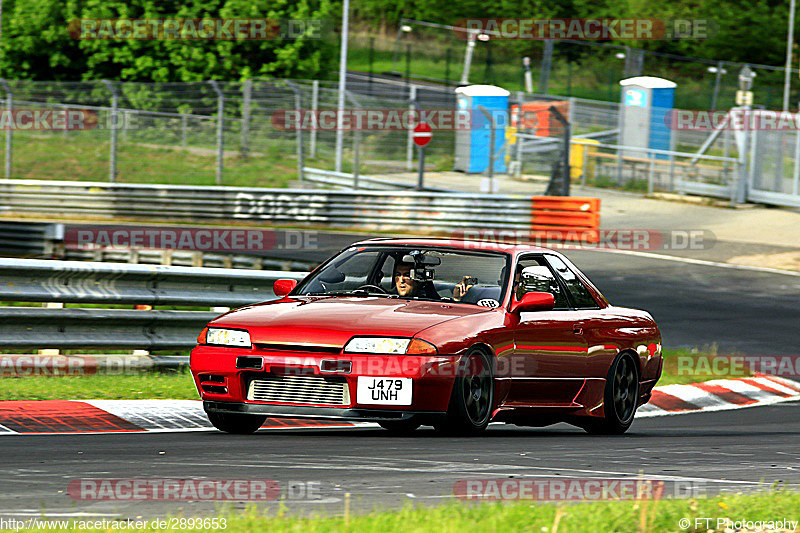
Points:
point(354, 292)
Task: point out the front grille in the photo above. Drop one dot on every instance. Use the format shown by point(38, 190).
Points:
point(299, 389)
point(312, 348)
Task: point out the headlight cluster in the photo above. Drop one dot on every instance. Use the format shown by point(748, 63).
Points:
point(389, 345)
point(228, 337)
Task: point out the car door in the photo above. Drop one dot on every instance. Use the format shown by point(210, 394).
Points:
point(591, 319)
point(549, 355)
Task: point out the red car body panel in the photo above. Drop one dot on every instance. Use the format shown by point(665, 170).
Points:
point(550, 365)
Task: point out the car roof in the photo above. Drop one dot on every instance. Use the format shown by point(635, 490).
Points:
point(464, 244)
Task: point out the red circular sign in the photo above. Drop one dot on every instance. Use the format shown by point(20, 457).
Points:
point(422, 134)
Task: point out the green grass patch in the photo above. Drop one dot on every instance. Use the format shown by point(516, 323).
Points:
point(84, 156)
point(627, 516)
point(143, 386)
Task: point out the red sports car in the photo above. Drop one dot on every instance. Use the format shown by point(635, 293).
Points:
point(453, 334)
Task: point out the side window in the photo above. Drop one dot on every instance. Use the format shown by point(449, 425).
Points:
point(580, 294)
point(387, 274)
point(533, 275)
point(349, 273)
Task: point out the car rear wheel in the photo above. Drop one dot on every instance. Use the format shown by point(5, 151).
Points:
point(471, 401)
point(621, 397)
point(401, 427)
point(236, 423)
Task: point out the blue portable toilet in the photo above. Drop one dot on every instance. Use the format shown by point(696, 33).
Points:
point(645, 114)
point(472, 145)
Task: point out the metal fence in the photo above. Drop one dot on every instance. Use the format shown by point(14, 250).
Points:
point(650, 170)
point(225, 133)
point(32, 280)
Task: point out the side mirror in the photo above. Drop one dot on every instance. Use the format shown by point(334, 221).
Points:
point(282, 287)
point(534, 301)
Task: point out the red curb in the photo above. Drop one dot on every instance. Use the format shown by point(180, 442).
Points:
point(60, 416)
point(668, 402)
point(726, 394)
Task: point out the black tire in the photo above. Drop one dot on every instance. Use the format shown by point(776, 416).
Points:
point(401, 427)
point(472, 398)
point(620, 398)
point(236, 423)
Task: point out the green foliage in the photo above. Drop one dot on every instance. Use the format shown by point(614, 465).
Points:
point(36, 43)
point(753, 32)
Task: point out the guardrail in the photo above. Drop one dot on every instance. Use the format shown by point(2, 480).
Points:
point(378, 210)
point(32, 280)
point(30, 238)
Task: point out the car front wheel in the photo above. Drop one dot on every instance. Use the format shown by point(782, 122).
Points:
point(471, 401)
point(236, 423)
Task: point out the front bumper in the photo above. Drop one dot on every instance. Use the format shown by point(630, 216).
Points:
point(329, 413)
point(224, 386)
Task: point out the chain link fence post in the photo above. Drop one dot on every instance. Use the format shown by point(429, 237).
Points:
point(298, 104)
point(356, 143)
point(312, 147)
point(412, 106)
point(9, 131)
point(220, 131)
point(247, 93)
point(184, 126)
point(547, 62)
point(112, 164)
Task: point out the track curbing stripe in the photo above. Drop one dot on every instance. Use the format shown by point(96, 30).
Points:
point(164, 416)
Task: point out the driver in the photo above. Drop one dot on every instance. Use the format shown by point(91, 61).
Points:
point(411, 288)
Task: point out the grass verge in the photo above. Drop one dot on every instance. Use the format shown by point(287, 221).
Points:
point(650, 516)
point(144, 386)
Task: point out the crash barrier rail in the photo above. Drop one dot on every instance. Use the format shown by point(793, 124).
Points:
point(406, 211)
point(30, 238)
point(36, 280)
point(45, 240)
point(33, 280)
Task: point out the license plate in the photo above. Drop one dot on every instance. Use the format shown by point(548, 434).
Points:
point(383, 391)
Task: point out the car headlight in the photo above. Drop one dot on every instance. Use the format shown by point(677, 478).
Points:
point(389, 345)
point(228, 337)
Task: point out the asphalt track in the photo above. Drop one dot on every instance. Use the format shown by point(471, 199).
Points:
point(743, 450)
point(747, 312)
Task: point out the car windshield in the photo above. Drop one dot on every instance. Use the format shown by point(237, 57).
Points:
point(420, 273)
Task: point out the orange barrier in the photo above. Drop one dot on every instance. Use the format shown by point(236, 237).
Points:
point(565, 218)
point(536, 117)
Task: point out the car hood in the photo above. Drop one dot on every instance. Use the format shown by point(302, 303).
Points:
point(332, 321)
